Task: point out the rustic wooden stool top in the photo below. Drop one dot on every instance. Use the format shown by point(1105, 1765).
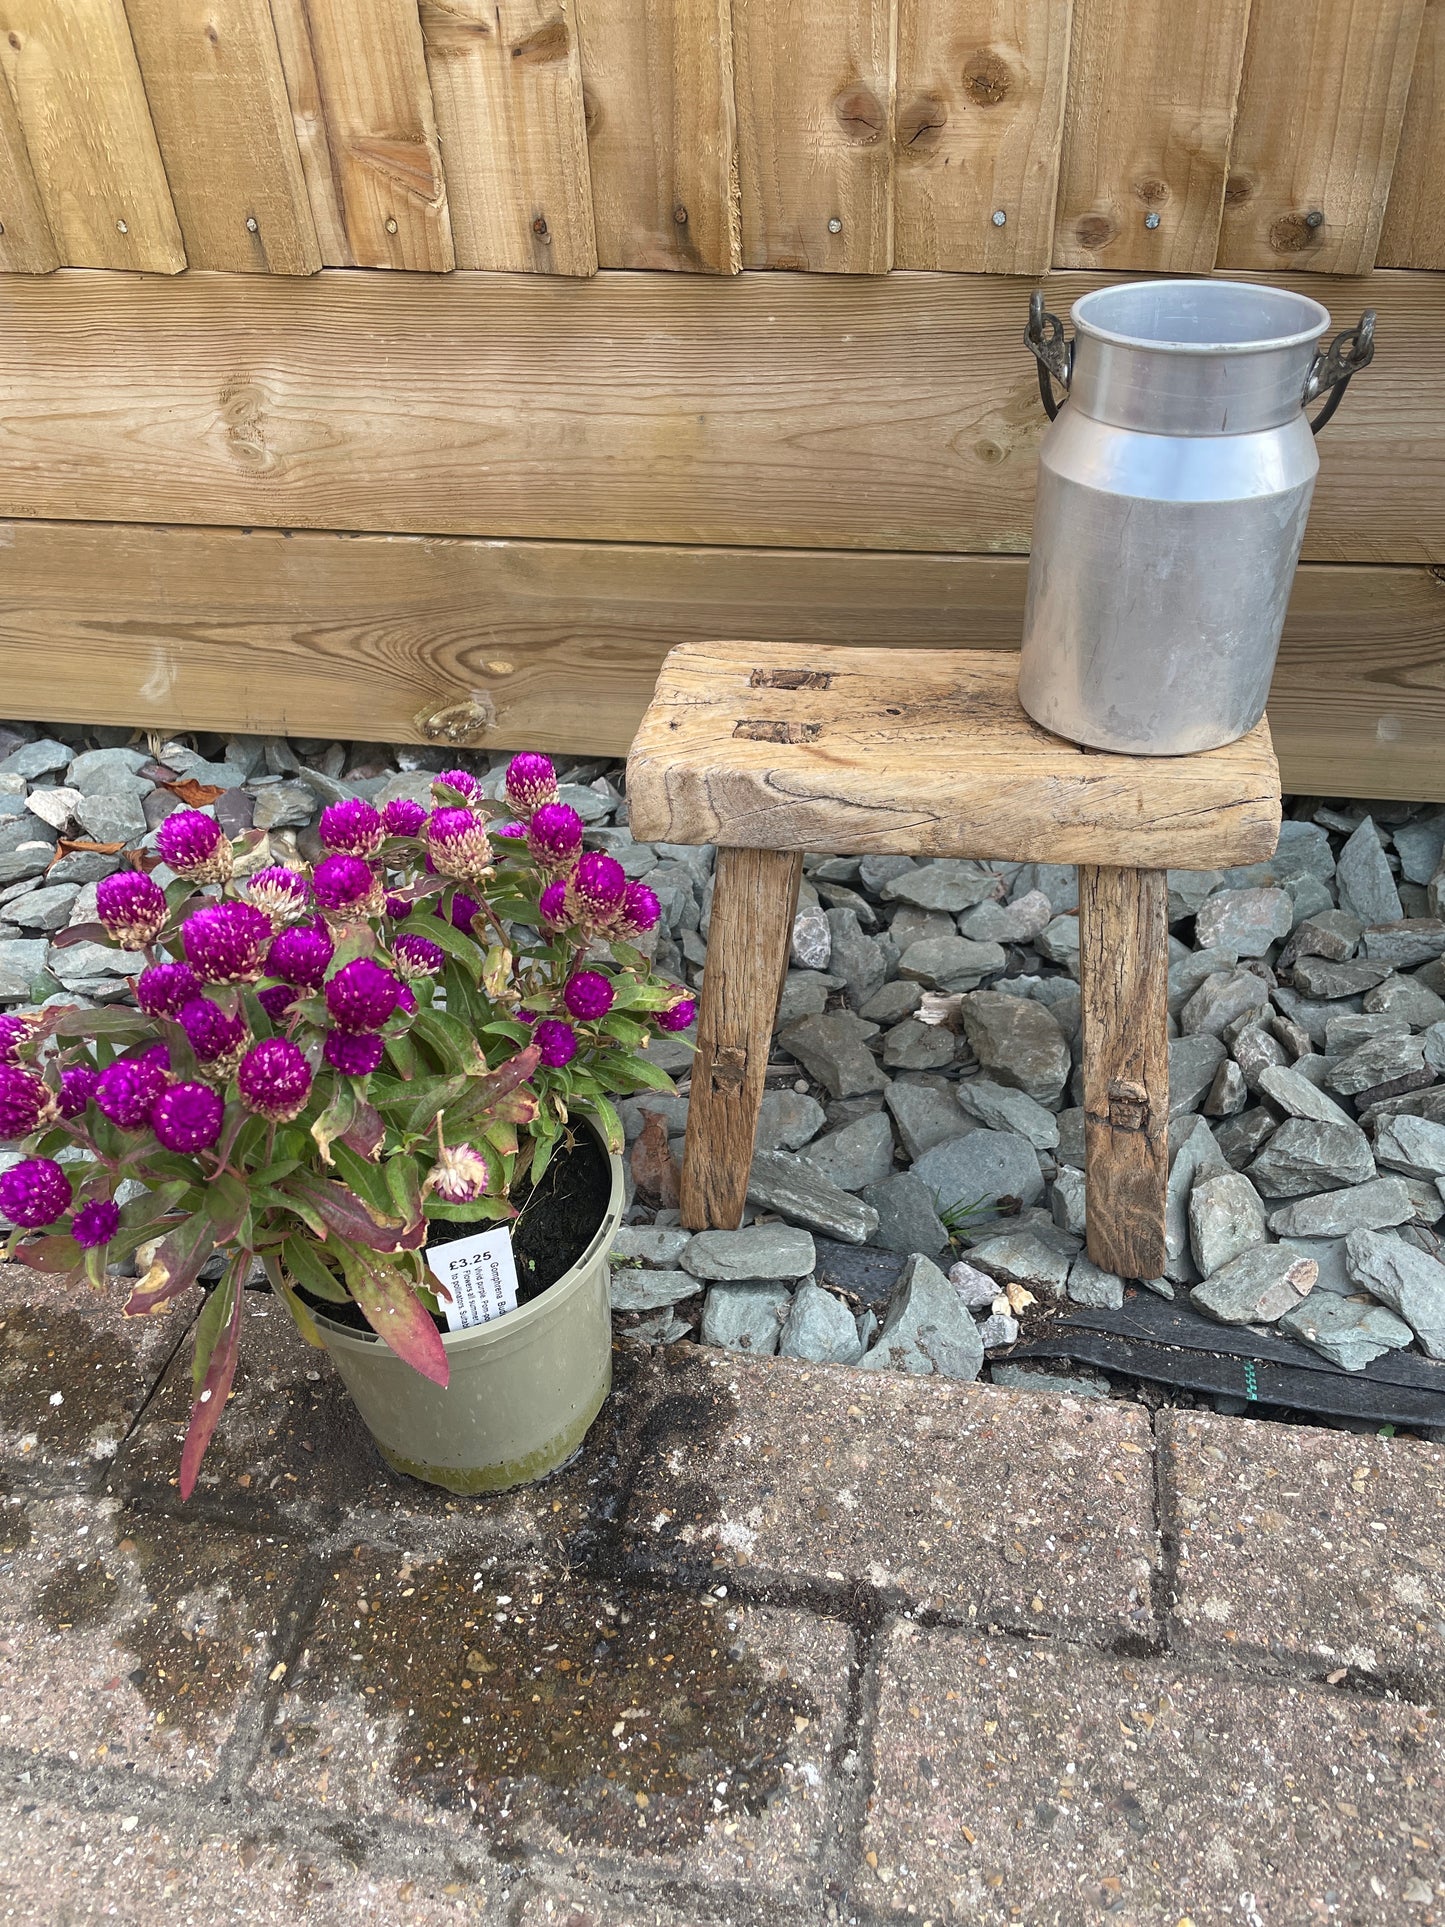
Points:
point(771, 750)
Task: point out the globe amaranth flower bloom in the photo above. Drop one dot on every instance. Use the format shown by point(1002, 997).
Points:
point(531, 782)
point(554, 836)
point(588, 994)
point(282, 895)
point(347, 887)
point(460, 780)
point(301, 956)
point(187, 1117)
point(362, 995)
point(457, 843)
point(418, 956)
point(77, 1088)
point(132, 906)
point(678, 1016)
point(465, 911)
point(459, 1176)
point(13, 1033)
point(34, 1192)
point(556, 1041)
point(226, 943)
point(161, 989)
point(352, 825)
point(96, 1223)
point(274, 1080)
point(216, 1038)
point(510, 832)
point(195, 846)
point(355, 1053)
point(403, 816)
point(553, 904)
point(639, 913)
point(24, 1101)
point(128, 1089)
point(596, 890)
point(276, 1000)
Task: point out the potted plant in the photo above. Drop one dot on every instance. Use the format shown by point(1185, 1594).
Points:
point(339, 1072)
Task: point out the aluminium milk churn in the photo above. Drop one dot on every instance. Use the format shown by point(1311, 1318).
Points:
point(1173, 488)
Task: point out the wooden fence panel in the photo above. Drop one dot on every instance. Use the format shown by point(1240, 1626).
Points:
point(1320, 108)
point(1413, 235)
point(662, 133)
point(1152, 92)
point(815, 85)
point(218, 99)
point(78, 94)
point(980, 121)
point(26, 243)
point(507, 84)
point(308, 121)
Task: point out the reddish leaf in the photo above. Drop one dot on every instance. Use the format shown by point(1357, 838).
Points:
point(366, 1131)
point(396, 1314)
point(177, 1265)
point(344, 1213)
point(80, 933)
point(509, 1074)
point(68, 845)
point(215, 1390)
point(54, 1256)
point(195, 795)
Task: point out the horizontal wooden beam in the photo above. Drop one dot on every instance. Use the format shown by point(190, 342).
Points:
point(556, 645)
point(768, 410)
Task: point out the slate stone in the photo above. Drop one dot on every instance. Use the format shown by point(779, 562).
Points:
point(1433, 1046)
point(1344, 1034)
point(1418, 846)
point(45, 909)
point(21, 962)
point(102, 769)
point(1227, 1094)
point(1329, 1255)
point(948, 883)
point(1427, 1195)
point(820, 1327)
point(1330, 981)
point(805, 994)
point(657, 1246)
point(1380, 1060)
point(908, 1219)
point(976, 1290)
point(1226, 1219)
point(1347, 1331)
point(861, 1153)
point(1408, 999)
point(1257, 1287)
point(926, 1331)
point(1403, 945)
point(18, 866)
point(918, 926)
point(1019, 1258)
point(1188, 972)
point(1193, 1154)
point(109, 817)
point(1018, 1043)
point(1372, 1206)
point(635, 1288)
point(1088, 1285)
point(82, 866)
point(1067, 1202)
point(926, 1113)
point(1412, 1145)
point(1303, 1157)
point(875, 873)
point(284, 806)
point(982, 1168)
point(897, 1000)
point(1190, 890)
point(1058, 881)
point(1060, 943)
point(1333, 935)
point(1409, 1281)
point(1309, 897)
point(787, 1120)
point(1019, 921)
point(745, 1318)
point(1071, 1136)
point(1310, 1014)
point(1297, 1096)
point(860, 960)
point(833, 1049)
point(912, 1046)
point(1362, 875)
point(671, 1109)
point(45, 757)
point(998, 1331)
point(1003, 1109)
point(812, 940)
point(950, 963)
point(757, 1251)
point(1245, 921)
point(57, 807)
point(1194, 1062)
point(781, 1182)
point(1222, 997)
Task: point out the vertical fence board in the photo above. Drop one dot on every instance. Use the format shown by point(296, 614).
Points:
point(815, 110)
point(1320, 108)
point(662, 133)
point(218, 99)
point(308, 121)
point(978, 131)
point(82, 109)
point(1413, 235)
point(1152, 90)
point(26, 243)
point(507, 84)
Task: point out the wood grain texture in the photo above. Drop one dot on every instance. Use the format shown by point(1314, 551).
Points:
point(507, 84)
point(979, 125)
point(292, 27)
point(1152, 90)
point(796, 746)
point(1413, 235)
point(768, 410)
point(78, 96)
point(384, 165)
point(1321, 103)
point(815, 114)
point(218, 100)
point(662, 133)
point(1124, 984)
point(26, 243)
point(747, 953)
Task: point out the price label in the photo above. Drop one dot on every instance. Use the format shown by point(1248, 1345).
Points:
point(480, 1273)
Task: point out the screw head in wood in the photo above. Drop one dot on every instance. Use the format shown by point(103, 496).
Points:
point(999, 218)
point(253, 226)
point(391, 224)
point(121, 228)
point(835, 226)
point(679, 214)
point(1151, 220)
point(1314, 218)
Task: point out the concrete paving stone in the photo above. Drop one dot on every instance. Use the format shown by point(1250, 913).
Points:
point(1307, 1545)
point(824, 1474)
point(581, 1904)
point(1053, 1786)
point(556, 1714)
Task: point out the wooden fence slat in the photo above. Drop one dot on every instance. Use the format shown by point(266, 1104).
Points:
point(81, 106)
point(1413, 235)
point(379, 179)
point(978, 133)
point(1152, 90)
point(662, 133)
point(218, 100)
point(815, 87)
point(1320, 108)
point(507, 84)
point(26, 243)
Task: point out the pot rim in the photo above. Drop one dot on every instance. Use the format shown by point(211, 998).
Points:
point(1270, 344)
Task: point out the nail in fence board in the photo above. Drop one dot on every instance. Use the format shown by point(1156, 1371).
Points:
point(1413, 235)
point(26, 243)
point(1321, 103)
point(979, 126)
point(81, 106)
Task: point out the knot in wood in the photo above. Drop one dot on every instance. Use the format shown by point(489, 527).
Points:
point(987, 79)
point(860, 115)
point(463, 722)
point(1128, 1105)
point(729, 1068)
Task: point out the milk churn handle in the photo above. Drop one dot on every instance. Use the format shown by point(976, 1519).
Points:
point(1044, 338)
point(1346, 355)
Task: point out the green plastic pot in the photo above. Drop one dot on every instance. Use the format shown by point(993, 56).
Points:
point(523, 1392)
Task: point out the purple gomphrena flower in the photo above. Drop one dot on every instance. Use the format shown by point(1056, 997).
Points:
point(459, 1176)
point(460, 780)
point(531, 782)
point(588, 994)
point(362, 995)
point(187, 1117)
point(418, 956)
point(406, 999)
point(195, 846)
point(301, 956)
point(556, 1041)
point(347, 887)
point(465, 911)
point(457, 843)
point(554, 837)
point(34, 1192)
point(127, 1091)
point(404, 816)
point(679, 1015)
point(282, 895)
point(77, 1088)
point(132, 907)
point(553, 904)
point(226, 943)
point(353, 1053)
point(353, 826)
point(24, 1101)
point(640, 911)
point(217, 1039)
point(274, 1079)
point(510, 832)
point(595, 891)
point(13, 1033)
point(95, 1224)
point(276, 1000)
point(162, 989)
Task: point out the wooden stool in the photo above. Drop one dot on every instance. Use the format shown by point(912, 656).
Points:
point(773, 749)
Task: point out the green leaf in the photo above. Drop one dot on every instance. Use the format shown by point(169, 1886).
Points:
point(336, 1119)
point(504, 1027)
point(542, 1149)
point(453, 1042)
point(304, 1264)
point(404, 1057)
point(114, 1022)
point(488, 1209)
point(395, 1313)
point(609, 1123)
point(368, 1181)
point(626, 1030)
point(403, 1183)
point(628, 1074)
point(228, 1200)
point(212, 1322)
point(444, 933)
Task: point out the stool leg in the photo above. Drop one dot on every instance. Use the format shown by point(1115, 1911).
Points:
point(747, 952)
point(1124, 979)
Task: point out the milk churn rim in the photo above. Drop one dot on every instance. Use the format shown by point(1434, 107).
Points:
point(1265, 345)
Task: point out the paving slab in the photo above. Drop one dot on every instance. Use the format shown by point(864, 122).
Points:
point(1055, 1786)
point(978, 1503)
point(1307, 1546)
point(582, 1904)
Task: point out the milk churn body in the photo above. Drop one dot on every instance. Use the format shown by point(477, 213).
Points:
point(1173, 491)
